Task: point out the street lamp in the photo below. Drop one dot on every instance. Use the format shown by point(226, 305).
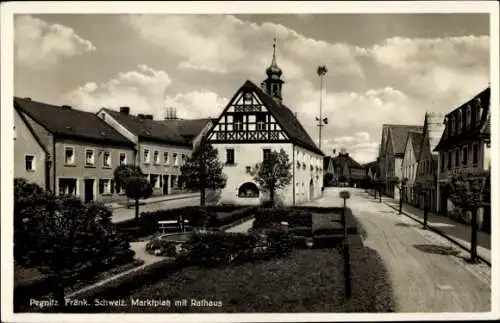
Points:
point(321, 70)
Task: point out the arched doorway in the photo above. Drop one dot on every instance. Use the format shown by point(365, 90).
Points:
point(248, 190)
point(311, 190)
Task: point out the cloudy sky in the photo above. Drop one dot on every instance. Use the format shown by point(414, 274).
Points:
point(381, 68)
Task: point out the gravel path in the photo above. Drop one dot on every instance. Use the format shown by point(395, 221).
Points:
point(423, 280)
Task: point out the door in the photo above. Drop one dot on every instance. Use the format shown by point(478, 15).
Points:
point(89, 190)
point(165, 184)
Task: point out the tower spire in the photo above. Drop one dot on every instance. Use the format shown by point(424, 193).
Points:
point(273, 62)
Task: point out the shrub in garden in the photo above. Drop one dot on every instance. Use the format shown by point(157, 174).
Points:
point(280, 242)
point(162, 247)
point(295, 218)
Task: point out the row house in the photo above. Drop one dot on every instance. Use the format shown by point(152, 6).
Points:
point(255, 122)
point(81, 151)
point(409, 165)
point(371, 170)
point(427, 175)
point(465, 147)
point(390, 162)
point(161, 146)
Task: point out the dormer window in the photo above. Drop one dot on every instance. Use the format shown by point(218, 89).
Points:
point(468, 115)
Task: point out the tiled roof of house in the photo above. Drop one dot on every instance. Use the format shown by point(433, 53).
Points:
point(287, 120)
point(341, 159)
point(186, 128)
point(399, 134)
point(482, 130)
point(326, 161)
point(416, 141)
point(70, 123)
point(147, 129)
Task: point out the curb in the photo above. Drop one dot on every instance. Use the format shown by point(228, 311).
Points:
point(159, 201)
point(441, 234)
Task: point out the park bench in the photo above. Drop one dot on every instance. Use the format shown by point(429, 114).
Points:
point(173, 225)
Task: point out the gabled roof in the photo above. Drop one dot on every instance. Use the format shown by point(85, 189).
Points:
point(482, 130)
point(66, 122)
point(147, 129)
point(416, 142)
point(399, 134)
point(186, 128)
point(342, 160)
point(285, 117)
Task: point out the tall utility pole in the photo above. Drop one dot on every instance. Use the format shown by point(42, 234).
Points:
point(322, 70)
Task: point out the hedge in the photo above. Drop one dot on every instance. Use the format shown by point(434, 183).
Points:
point(264, 217)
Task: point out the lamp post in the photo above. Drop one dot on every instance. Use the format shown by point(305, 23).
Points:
point(321, 70)
point(347, 265)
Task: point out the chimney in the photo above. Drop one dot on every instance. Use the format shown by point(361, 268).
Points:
point(66, 107)
point(148, 116)
point(27, 99)
point(170, 114)
point(125, 110)
point(141, 116)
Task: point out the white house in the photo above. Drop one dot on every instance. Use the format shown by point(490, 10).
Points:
point(253, 123)
point(409, 164)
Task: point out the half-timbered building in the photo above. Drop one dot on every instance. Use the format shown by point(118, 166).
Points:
point(254, 123)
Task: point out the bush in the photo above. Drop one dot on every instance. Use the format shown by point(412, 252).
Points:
point(165, 248)
point(295, 218)
point(280, 242)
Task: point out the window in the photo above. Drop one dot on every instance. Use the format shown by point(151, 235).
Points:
point(479, 110)
point(146, 156)
point(230, 156)
point(457, 158)
point(247, 98)
point(238, 122)
point(89, 157)
point(443, 161)
point(29, 162)
point(165, 158)
point(459, 121)
point(123, 159)
point(69, 155)
point(67, 186)
point(176, 162)
point(465, 155)
point(183, 159)
point(154, 180)
point(450, 156)
point(475, 154)
point(156, 157)
point(104, 186)
point(267, 154)
point(106, 159)
point(248, 169)
point(261, 122)
point(103, 116)
point(452, 124)
point(468, 115)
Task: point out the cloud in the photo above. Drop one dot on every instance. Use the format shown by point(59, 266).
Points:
point(40, 45)
point(225, 44)
point(144, 91)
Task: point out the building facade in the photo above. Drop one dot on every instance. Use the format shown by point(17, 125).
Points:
point(393, 154)
point(465, 147)
point(82, 150)
point(427, 174)
point(347, 170)
point(162, 146)
point(254, 123)
point(409, 166)
point(30, 156)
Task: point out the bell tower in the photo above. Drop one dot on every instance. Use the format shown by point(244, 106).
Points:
point(273, 84)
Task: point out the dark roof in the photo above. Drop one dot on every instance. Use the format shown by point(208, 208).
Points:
point(326, 161)
point(416, 140)
point(287, 120)
point(188, 129)
point(399, 134)
point(481, 130)
point(66, 122)
point(341, 159)
point(147, 129)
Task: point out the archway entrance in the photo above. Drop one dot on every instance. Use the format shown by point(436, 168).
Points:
point(311, 190)
point(248, 190)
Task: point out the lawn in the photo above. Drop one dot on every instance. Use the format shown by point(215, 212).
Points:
point(305, 281)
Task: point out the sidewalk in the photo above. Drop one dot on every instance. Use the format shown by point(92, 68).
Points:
point(154, 199)
point(454, 231)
